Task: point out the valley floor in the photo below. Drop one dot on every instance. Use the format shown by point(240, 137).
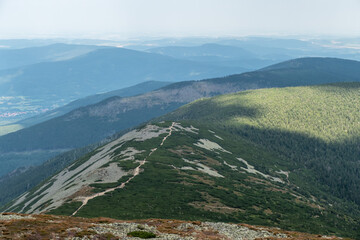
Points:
point(21, 226)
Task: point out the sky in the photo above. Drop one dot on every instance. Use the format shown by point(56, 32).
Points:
point(177, 18)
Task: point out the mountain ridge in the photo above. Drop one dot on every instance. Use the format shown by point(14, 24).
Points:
point(35, 88)
point(121, 61)
point(14, 58)
point(117, 114)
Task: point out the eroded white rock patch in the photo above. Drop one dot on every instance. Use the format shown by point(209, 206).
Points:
point(148, 132)
point(108, 174)
point(202, 168)
point(233, 167)
point(284, 173)
point(7, 217)
point(209, 145)
point(218, 137)
point(191, 129)
point(129, 153)
point(251, 169)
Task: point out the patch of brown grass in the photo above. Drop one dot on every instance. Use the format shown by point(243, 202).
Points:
point(204, 180)
point(258, 181)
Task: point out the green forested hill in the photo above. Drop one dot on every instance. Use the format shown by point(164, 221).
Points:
point(316, 129)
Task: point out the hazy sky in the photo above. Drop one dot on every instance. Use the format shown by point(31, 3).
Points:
point(134, 18)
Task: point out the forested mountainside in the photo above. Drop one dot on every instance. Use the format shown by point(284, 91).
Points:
point(316, 128)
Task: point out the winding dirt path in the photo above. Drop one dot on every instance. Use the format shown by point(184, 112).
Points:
point(85, 200)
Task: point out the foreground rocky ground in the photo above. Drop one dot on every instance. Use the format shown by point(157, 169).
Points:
point(20, 226)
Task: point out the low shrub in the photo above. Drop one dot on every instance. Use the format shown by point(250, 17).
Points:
point(141, 234)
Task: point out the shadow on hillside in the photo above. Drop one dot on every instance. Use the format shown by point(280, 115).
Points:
point(335, 166)
point(334, 87)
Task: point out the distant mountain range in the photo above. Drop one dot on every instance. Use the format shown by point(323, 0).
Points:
point(269, 157)
point(58, 74)
point(219, 55)
point(33, 69)
point(101, 70)
point(13, 58)
point(93, 123)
